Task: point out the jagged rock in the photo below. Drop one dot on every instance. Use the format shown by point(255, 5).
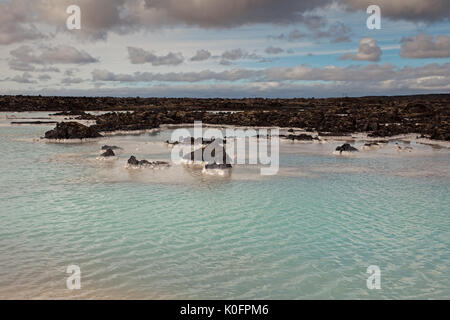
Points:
point(72, 130)
point(108, 153)
point(384, 116)
point(200, 155)
point(34, 122)
point(346, 147)
point(133, 161)
point(301, 137)
point(214, 166)
point(144, 163)
point(106, 147)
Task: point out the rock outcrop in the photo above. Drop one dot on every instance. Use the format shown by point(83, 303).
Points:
point(133, 162)
point(106, 147)
point(108, 153)
point(347, 148)
point(72, 130)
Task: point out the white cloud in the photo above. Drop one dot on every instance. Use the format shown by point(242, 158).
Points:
point(368, 50)
point(141, 56)
point(273, 50)
point(201, 55)
point(423, 46)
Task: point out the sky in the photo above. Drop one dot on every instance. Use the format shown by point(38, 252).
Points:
point(224, 48)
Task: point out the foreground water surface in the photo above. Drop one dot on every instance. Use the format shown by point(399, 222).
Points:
point(309, 232)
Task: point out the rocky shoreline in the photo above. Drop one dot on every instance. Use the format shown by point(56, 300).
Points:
point(426, 115)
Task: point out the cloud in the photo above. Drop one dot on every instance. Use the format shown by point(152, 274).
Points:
point(423, 46)
point(69, 81)
point(14, 25)
point(273, 50)
point(44, 77)
point(238, 54)
point(260, 89)
point(229, 75)
point(368, 50)
point(336, 32)
point(411, 10)
point(20, 18)
point(101, 17)
point(231, 13)
point(24, 78)
point(141, 56)
point(352, 74)
point(201, 55)
point(25, 56)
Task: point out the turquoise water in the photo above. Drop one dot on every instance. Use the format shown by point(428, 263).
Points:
point(310, 232)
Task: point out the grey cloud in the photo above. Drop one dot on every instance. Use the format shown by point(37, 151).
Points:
point(25, 56)
point(336, 32)
point(295, 35)
point(225, 90)
point(224, 62)
point(234, 54)
point(368, 50)
point(44, 77)
point(24, 78)
point(351, 74)
point(100, 17)
point(201, 55)
point(14, 23)
point(423, 46)
point(141, 56)
point(238, 54)
point(412, 10)
point(229, 13)
point(20, 17)
point(273, 50)
point(231, 75)
point(69, 81)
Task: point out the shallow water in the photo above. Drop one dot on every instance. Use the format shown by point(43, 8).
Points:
point(309, 232)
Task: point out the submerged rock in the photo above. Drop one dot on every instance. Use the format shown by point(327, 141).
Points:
point(208, 154)
point(302, 137)
point(106, 147)
point(144, 163)
point(346, 147)
point(108, 153)
point(371, 146)
point(34, 122)
point(215, 166)
point(217, 169)
point(403, 149)
point(72, 130)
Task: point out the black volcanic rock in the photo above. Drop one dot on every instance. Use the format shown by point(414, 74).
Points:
point(108, 153)
point(381, 116)
point(72, 130)
point(300, 137)
point(221, 166)
point(144, 163)
point(106, 147)
point(133, 161)
point(346, 148)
